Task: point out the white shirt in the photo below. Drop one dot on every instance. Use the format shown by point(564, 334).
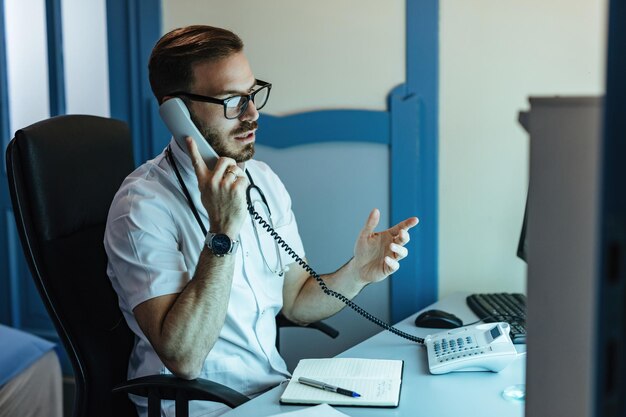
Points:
point(153, 243)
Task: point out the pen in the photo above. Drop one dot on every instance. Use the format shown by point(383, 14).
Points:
point(327, 387)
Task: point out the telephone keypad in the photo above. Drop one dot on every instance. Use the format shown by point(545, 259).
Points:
point(449, 349)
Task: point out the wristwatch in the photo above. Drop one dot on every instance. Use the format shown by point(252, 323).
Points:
point(220, 244)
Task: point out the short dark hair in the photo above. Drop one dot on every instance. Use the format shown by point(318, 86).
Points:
point(171, 62)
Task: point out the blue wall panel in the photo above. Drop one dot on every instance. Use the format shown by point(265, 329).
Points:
point(133, 27)
point(56, 72)
point(414, 148)
point(324, 126)
point(414, 285)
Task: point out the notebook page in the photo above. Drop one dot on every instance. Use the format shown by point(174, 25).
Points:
point(373, 392)
point(349, 368)
point(376, 380)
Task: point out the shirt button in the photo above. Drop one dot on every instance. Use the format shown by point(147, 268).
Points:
point(247, 254)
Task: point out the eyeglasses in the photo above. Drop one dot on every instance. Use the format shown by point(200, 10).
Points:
point(235, 106)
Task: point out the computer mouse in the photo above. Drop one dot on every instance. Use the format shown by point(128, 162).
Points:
point(437, 319)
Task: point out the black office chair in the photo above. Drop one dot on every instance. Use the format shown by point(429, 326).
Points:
point(63, 173)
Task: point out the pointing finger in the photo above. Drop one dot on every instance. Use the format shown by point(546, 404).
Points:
point(405, 224)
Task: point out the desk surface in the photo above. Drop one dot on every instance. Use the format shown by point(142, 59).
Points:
point(454, 394)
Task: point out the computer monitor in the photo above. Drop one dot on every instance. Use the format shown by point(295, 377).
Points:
point(562, 229)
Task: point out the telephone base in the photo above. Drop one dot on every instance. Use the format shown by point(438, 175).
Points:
point(483, 347)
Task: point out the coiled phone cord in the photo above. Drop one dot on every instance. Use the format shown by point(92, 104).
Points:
point(281, 242)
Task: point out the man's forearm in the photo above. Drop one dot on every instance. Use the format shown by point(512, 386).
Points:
point(312, 304)
point(194, 322)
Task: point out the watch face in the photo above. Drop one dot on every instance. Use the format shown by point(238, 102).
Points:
point(220, 244)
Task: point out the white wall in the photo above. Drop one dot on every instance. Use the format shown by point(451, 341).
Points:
point(318, 54)
point(493, 55)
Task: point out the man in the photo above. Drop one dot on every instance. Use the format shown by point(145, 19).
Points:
point(204, 304)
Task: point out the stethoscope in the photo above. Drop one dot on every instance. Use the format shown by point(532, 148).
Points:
point(279, 269)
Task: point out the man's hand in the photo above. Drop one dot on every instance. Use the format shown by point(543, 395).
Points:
point(377, 254)
point(222, 190)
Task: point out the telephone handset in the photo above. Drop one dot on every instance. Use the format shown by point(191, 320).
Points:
point(176, 116)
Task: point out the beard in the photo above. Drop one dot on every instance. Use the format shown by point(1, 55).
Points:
point(220, 144)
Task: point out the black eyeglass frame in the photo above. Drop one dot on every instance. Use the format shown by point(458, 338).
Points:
point(224, 102)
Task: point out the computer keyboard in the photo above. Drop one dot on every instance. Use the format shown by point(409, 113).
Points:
point(502, 307)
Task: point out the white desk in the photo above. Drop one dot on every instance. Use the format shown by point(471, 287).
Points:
point(455, 394)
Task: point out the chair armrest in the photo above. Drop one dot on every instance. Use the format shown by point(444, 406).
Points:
point(282, 321)
point(170, 387)
point(325, 328)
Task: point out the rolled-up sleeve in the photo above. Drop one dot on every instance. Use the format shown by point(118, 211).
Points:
point(142, 243)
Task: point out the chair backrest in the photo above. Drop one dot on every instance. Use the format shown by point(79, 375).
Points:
point(63, 173)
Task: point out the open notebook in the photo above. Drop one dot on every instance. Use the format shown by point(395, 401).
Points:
point(377, 380)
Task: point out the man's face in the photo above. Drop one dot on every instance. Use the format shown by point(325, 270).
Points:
point(233, 138)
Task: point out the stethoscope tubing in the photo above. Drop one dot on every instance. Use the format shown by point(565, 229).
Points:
point(280, 268)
